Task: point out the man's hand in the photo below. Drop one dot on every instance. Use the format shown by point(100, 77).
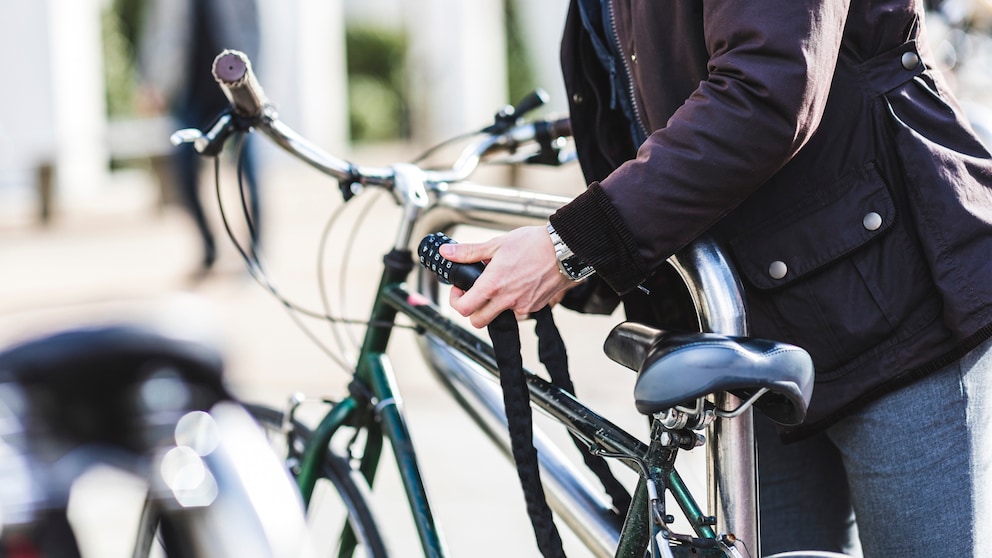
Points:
point(521, 275)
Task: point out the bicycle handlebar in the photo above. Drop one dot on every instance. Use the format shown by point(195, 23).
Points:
point(233, 72)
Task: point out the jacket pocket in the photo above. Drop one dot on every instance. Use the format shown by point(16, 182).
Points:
point(831, 223)
point(837, 274)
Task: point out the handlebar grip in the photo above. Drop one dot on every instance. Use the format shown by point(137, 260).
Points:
point(533, 100)
point(233, 73)
point(460, 275)
point(561, 127)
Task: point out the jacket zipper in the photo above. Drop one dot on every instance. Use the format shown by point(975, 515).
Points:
point(629, 75)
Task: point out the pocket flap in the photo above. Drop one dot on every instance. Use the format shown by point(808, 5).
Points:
point(831, 223)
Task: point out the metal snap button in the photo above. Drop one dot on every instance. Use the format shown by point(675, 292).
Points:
point(778, 269)
point(577, 98)
point(872, 221)
point(910, 60)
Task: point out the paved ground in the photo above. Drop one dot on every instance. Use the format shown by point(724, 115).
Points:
point(121, 255)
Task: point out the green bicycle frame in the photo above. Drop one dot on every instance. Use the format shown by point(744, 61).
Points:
point(381, 417)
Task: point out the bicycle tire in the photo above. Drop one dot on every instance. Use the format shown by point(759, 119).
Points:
point(342, 478)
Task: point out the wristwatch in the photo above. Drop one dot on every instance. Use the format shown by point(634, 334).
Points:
point(568, 263)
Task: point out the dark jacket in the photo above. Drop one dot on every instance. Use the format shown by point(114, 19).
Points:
point(814, 140)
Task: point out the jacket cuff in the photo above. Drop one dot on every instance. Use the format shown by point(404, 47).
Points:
point(594, 231)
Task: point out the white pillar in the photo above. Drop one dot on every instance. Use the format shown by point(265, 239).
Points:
point(303, 69)
point(542, 23)
point(456, 65)
point(80, 111)
point(27, 136)
point(322, 73)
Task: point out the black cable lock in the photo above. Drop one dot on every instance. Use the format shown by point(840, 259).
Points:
point(505, 334)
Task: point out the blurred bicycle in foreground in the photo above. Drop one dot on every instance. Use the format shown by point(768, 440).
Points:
point(109, 430)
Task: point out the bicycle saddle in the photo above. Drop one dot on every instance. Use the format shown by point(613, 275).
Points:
point(676, 368)
point(90, 385)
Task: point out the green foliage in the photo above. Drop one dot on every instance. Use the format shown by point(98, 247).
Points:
point(118, 64)
point(129, 16)
point(376, 62)
point(520, 73)
point(378, 108)
point(120, 27)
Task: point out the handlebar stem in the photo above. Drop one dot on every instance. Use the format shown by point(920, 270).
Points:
point(410, 191)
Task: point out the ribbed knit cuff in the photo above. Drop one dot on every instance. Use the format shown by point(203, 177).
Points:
point(592, 228)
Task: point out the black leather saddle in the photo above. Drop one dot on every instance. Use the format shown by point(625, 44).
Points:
point(99, 384)
point(677, 368)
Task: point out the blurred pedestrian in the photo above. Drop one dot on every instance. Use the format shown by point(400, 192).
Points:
point(179, 41)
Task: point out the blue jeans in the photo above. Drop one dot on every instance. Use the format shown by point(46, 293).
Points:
point(909, 475)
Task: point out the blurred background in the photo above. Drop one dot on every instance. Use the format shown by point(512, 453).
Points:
point(95, 209)
point(96, 223)
point(342, 71)
point(94, 226)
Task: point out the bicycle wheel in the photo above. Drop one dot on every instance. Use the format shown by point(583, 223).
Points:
point(341, 496)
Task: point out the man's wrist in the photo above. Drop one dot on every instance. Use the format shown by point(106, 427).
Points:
point(568, 263)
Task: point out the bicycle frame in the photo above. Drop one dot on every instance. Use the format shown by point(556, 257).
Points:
point(460, 359)
point(717, 297)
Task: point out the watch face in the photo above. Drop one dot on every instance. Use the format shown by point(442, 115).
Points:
point(576, 269)
point(568, 264)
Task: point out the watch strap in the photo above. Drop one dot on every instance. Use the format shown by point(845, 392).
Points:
point(568, 263)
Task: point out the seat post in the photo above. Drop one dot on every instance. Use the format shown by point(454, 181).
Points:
point(730, 452)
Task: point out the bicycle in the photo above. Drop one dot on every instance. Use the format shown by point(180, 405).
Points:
point(345, 447)
point(128, 411)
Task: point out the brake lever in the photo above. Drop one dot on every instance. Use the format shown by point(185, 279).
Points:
point(551, 146)
point(207, 144)
point(509, 115)
point(550, 153)
point(211, 143)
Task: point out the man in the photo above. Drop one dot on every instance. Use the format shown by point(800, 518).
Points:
point(180, 39)
point(816, 143)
